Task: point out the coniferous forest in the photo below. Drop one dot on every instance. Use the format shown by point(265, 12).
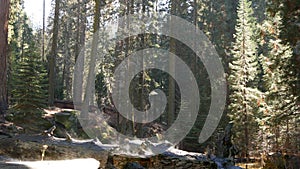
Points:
point(61, 98)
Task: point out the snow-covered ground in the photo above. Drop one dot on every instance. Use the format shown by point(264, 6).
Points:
point(74, 164)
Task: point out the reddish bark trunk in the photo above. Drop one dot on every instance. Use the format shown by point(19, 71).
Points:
point(4, 13)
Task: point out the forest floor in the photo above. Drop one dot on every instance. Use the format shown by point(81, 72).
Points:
point(28, 134)
point(250, 165)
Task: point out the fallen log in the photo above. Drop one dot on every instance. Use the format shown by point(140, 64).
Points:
point(60, 164)
point(64, 104)
point(34, 147)
point(38, 147)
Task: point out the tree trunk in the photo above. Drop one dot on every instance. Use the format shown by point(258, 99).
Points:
point(66, 77)
point(171, 97)
point(90, 84)
point(125, 125)
point(139, 126)
point(80, 42)
point(4, 13)
point(52, 56)
point(43, 33)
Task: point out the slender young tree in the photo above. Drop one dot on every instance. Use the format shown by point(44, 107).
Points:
point(279, 79)
point(4, 13)
point(27, 73)
point(243, 71)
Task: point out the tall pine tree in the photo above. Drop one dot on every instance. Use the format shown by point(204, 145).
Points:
point(279, 80)
point(243, 72)
point(28, 83)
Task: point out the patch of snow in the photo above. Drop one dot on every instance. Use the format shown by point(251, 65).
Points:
point(89, 163)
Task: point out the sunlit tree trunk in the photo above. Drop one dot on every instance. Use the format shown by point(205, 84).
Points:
point(90, 84)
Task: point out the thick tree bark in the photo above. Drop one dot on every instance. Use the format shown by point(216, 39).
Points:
point(80, 42)
point(139, 126)
point(53, 54)
point(4, 13)
point(171, 96)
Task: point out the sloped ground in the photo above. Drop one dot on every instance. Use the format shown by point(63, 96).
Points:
point(26, 140)
point(31, 147)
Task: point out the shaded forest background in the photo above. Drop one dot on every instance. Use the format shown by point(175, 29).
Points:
point(258, 43)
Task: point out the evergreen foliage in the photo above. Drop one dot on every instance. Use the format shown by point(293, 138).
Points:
point(242, 74)
point(263, 85)
point(28, 73)
point(29, 84)
point(279, 80)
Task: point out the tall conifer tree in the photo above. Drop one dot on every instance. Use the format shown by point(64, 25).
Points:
point(279, 79)
point(243, 72)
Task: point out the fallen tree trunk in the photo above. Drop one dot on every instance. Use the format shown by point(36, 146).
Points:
point(24, 147)
point(36, 147)
point(74, 164)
